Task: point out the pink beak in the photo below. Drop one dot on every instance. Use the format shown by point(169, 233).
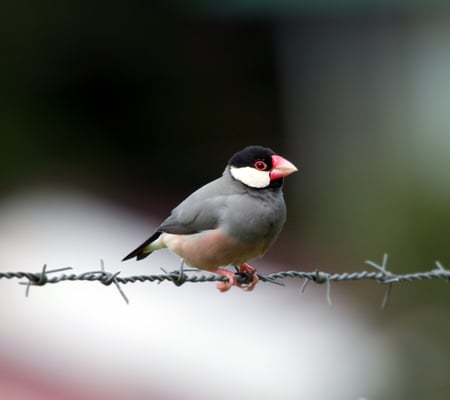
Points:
point(281, 168)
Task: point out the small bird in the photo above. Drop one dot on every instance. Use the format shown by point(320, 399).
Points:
point(230, 220)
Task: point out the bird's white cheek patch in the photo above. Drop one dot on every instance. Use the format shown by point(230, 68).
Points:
point(251, 177)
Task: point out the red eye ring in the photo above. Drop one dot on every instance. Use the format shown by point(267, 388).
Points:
point(260, 165)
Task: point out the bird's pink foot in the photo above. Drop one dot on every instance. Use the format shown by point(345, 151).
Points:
point(250, 271)
point(245, 270)
point(226, 285)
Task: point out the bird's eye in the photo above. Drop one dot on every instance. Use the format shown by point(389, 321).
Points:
point(260, 165)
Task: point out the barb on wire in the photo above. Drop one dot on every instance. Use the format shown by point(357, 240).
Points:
point(381, 275)
point(388, 279)
point(112, 279)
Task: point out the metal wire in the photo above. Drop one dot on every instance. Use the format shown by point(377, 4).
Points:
point(179, 277)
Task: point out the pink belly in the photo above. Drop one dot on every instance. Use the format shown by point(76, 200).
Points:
point(211, 249)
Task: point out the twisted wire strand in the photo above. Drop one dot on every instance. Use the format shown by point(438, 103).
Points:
point(381, 275)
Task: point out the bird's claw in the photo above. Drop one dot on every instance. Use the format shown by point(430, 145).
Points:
point(245, 278)
point(224, 286)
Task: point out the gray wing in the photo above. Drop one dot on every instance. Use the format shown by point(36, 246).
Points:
point(202, 210)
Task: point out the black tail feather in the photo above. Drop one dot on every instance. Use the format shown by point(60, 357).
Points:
point(139, 251)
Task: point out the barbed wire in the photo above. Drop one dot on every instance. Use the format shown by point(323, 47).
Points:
point(381, 275)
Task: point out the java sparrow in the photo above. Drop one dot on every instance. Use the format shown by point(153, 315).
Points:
point(230, 220)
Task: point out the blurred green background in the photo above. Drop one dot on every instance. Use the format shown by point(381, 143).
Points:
point(141, 103)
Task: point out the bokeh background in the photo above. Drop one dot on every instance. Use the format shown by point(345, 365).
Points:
point(110, 113)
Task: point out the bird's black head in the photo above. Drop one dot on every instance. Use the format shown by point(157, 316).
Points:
point(250, 155)
point(259, 167)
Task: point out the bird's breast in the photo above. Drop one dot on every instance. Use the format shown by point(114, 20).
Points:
point(212, 249)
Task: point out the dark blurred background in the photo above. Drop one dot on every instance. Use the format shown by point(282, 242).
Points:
point(137, 92)
point(138, 104)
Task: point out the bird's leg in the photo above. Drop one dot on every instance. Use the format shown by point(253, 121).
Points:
point(226, 285)
point(249, 271)
point(181, 267)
